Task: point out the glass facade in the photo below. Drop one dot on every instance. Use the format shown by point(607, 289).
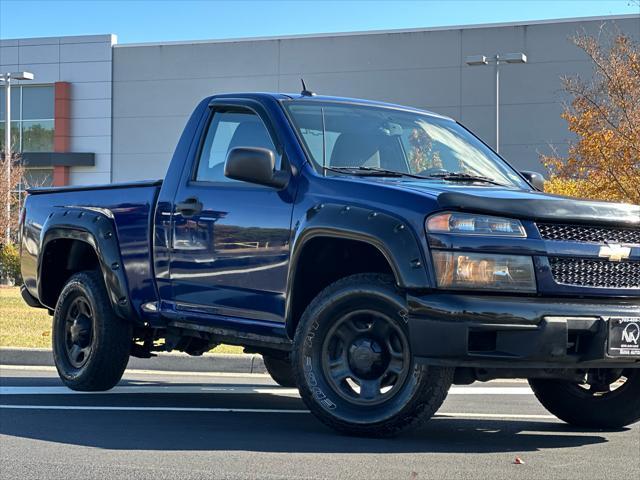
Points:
point(32, 118)
point(37, 177)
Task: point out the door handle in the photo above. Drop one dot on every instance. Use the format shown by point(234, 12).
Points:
point(189, 207)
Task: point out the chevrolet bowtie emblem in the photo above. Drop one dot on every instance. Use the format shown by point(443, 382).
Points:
point(614, 252)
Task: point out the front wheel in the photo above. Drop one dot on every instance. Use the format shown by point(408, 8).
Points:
point(91, 344)
point(353, 363)
point(606, 398)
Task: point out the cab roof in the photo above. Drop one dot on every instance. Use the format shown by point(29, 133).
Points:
point(295, 97)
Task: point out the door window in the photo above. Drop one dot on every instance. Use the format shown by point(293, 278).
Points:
point(229, 130)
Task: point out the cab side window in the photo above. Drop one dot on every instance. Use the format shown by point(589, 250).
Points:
point(228, 130)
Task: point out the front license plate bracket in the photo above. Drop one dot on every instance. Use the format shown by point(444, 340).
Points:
point(624, 337)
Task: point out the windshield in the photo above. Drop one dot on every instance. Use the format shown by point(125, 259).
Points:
point(365, 139)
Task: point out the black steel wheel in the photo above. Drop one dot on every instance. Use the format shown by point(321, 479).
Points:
point(605, 398)
point(366, 357)
point(91, 344)
point(353, 363)
point(78, 331)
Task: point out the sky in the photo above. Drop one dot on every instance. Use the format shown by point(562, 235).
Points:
point(137, 21)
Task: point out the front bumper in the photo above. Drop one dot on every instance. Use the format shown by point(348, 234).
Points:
point(516, 332)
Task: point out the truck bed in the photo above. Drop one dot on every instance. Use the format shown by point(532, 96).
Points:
point(129, 206)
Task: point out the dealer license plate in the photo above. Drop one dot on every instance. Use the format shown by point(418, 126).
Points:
point(624, 336)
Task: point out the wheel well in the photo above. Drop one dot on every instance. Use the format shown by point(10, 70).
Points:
point(325, 260)
point(62, 258)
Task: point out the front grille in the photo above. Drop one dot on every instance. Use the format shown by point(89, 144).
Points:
point(583, 272)
point(589, 233)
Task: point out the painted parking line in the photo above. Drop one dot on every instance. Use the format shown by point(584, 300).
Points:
point(134, 371)
point(151, 409)
point(169, 389)
point(155, 389)
point(490, 391)
point(177, 373)
point(505, 416)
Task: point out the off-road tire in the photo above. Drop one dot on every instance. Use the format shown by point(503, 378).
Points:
point(417, 398)
point(281, 371)
point(570, 403)
point(111, 337)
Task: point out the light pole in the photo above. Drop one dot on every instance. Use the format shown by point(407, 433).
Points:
point(7, 78)
point(475, 60)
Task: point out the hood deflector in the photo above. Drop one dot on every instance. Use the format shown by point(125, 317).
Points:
point(545, 207)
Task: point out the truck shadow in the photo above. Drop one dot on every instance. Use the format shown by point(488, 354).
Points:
point(112, 426)
point(273, 432)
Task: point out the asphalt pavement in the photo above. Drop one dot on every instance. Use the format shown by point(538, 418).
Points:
point(179, 425)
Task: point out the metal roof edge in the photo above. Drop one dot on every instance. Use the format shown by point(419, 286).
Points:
point(382, 32)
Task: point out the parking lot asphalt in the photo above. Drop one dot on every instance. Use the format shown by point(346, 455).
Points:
point(179, 425)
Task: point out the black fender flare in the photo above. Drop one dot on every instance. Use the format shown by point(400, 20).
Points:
point(389, 234)
point(95, 227)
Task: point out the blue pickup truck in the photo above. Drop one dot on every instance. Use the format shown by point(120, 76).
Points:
point(374, 255)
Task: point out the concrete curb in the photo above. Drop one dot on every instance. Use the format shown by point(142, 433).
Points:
point(164, 361)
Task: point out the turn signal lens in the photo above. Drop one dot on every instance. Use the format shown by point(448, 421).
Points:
point(467, 223)
point(456, 270)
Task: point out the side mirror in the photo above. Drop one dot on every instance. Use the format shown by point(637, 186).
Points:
point(535, 179)
point(255, 165)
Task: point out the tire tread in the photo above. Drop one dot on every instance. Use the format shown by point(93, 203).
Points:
point(419, 410)
point(617, 411)
point(111, 354)
point(281, 371)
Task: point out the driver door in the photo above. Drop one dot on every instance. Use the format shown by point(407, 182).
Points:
point(230, 247)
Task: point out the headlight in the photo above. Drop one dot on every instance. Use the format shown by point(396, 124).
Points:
point(471, 224)
point(456, 270)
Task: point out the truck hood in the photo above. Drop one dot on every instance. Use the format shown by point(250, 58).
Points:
point(523, 204)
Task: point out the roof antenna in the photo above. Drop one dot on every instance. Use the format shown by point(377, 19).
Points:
point(305, 92)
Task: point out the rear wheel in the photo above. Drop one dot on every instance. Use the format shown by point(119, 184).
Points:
point(280, 370)
point(606, 398)
point(91, 344)
point(353, 363)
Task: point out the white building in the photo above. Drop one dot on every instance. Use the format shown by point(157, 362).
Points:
point(126, 104)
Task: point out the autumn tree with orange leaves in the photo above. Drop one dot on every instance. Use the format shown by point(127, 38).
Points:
point(604, 162)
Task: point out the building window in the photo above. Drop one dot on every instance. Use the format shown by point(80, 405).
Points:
point(37, 177)
point(32, 118)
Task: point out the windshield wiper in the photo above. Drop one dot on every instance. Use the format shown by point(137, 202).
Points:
point(382, 172)
point(373, 171)
point(463, 177)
